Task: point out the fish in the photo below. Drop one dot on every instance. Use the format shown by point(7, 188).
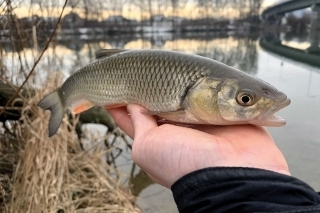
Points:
point(174, 86)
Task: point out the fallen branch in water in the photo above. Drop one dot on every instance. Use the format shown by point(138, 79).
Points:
point(13, 112)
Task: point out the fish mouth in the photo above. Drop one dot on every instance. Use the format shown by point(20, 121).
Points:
point(269, 119)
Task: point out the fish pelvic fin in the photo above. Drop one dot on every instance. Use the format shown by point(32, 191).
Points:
point(53, 102)
point(81, 106)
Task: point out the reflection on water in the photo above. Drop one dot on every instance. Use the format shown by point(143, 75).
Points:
point(71, 53)
point(305, 53)
point(269, 59)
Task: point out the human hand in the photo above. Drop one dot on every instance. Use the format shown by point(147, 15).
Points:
point(168, 152)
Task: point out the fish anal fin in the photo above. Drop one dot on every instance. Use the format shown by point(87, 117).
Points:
point(176, 123)
point(81, 106)
point(170, 113)
point(111, 106)
point(103, 53)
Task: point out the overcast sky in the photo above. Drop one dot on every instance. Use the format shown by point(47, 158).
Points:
point(25, 11)
point(267, 3)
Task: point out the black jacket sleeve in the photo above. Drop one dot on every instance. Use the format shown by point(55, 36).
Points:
point(229, 189)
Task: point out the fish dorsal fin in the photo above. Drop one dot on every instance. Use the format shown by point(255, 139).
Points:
point(102, 53)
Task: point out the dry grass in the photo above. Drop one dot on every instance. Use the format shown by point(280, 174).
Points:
point(55, 175)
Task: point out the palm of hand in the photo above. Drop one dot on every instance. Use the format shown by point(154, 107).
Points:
point(169, 152)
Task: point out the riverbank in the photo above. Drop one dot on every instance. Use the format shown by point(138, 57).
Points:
point(41, 174)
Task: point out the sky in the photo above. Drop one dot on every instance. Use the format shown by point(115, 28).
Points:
point(297, 13)
point(267, 3)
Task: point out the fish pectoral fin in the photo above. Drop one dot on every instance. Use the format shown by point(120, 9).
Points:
point(81, 106)
point(178, 112)
point(103, 53)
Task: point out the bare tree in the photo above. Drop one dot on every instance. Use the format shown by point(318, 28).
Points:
point(246, 8)
point(254, 9)
point(204, 7)
point(140, 4)
point(92, 9)
point(177, 4)
point(220, 7)
point(161, 6)
point(117, 6)
point(144, 6)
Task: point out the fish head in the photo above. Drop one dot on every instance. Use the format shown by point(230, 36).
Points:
point(251, 100)
point(226, 101)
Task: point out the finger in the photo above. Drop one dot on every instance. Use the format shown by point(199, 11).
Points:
point(142, 123)
point(122, 118)
point(234, 130)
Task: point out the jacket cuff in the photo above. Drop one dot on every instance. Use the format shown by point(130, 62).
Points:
point(237, 189)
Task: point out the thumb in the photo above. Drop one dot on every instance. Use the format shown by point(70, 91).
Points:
point(142, 123)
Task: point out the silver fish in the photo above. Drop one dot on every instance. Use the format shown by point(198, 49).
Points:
point(176, 86)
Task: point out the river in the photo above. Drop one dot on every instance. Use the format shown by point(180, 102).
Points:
point(299, 139)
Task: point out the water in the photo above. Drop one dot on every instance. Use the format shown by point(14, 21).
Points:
point(299, 140)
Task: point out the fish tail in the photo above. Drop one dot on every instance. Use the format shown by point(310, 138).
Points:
point(54, 103)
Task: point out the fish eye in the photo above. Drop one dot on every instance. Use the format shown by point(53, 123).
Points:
point(245, 97)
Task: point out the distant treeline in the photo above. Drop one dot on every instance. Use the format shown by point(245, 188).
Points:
point(159, 13)
point(109, 17)
point(298, 24)
point(238, 9)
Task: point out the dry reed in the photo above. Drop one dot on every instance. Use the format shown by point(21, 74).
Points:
point(56, 174)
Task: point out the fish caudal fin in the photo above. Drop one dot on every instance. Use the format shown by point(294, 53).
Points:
point(53, 103)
